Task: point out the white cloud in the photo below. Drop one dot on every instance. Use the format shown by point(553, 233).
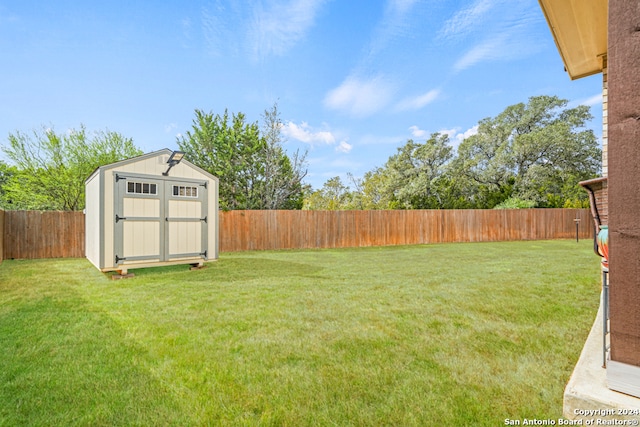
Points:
point(456, 137)
point(402, 6)
point(469, 132)
point(170, 127)
point(277, 29)
point(305, 133)
point(419, 101)
point(359, 97)
point(488, 50)
point(590, 102)
point(215, 28)
point(344, 147)
point(451, 132)
point(261, 29)
point(466, 20)
point(396, 21)
point(497, 30)
point(416, 132)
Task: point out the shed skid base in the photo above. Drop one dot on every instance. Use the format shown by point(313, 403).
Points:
point(122, 276)
point(198, 266)
point(124, 268)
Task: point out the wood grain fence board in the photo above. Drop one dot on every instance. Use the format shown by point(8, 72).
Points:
point(15, 234)
point(32, 234)
point(327, 229)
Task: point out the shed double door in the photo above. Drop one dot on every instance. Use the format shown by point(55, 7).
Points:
point(159, 219)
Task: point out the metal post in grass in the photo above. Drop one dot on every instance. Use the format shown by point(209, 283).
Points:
point(577, 221)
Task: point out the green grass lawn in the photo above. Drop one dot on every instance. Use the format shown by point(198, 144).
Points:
point(444, 335)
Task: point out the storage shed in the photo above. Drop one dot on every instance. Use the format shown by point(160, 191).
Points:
point(151, 210)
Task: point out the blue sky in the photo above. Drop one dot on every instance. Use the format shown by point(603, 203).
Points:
point(353, 79)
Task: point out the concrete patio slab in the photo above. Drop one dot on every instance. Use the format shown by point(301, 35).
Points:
point(587, 396)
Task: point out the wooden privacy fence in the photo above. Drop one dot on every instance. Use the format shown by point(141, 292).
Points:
point(33, 234)
point(251, 230)
point(49, 234)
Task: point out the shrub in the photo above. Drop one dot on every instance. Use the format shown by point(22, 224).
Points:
point(516, 203)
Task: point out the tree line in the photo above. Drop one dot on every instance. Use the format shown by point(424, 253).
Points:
point(49, 169)
point(531, 155)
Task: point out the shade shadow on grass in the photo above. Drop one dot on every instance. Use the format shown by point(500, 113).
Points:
point(64, 363)
point(231, 269)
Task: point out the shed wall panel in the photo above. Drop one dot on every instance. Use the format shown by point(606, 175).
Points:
point(108, 248)
point(150, 166)
point(93, 205)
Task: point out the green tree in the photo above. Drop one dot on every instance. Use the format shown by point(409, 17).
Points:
point(535, 152)
point(415, 173)
point(7, 173)
point(283, 175)
point(413, 178)
point(232, 150)
point(253, 168)
point(50, 168)
point(334, 195)
point(370, 191)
